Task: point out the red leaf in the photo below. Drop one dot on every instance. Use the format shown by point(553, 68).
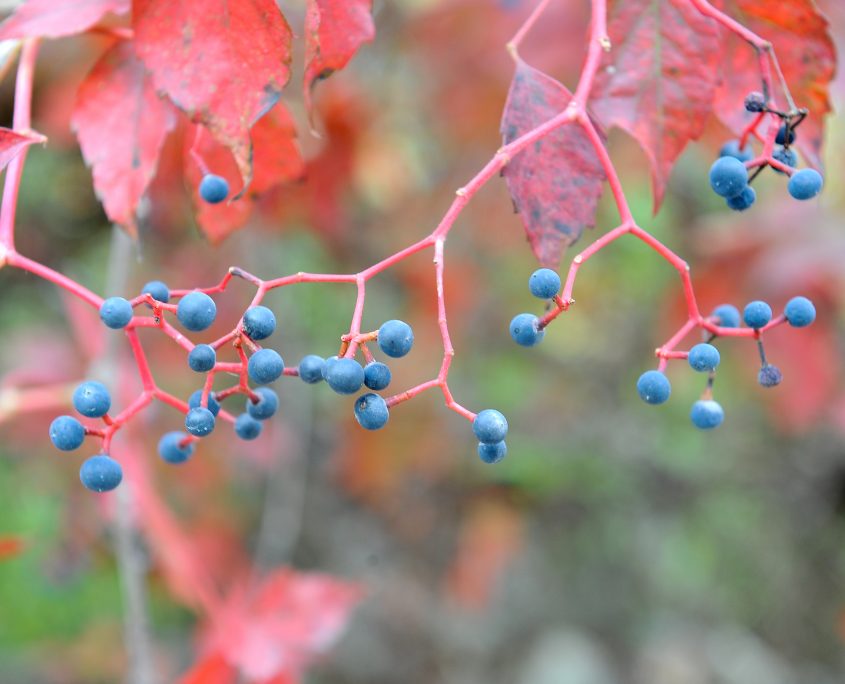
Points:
point(121, 124)
point(10, 547)
point(56, 18)
point(211, 670)
point(223, 63)
point(658, 80)
point(334, 30)
point(555, 183)
point(12, 142)
point(805, 50)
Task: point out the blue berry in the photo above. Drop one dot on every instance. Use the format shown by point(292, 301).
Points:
point(780, 139)
point(654, 387)
point(800, 312)
point(785, 156)
point(395, 338)
point(172, 449)
point(805, 184)
point(371, 411)
point(490, 426)
point(265, 366)
point(329, 363)
point(704, 357)
point(728, 177)
point(755, 102)
point(525, 331)
point(706, 414)
point(214, 189)
point(377, 375)
point(202, 358)
point(67, 433)
point(259, 322)
point(246, 427)
point(195, 401)
point(757, 314)
point(769, 376)
point(731, 149)
point(544, 283)
point(92, 399)
point(727, 315)
point(312, 369)
point(116, 312)
point(199, 422)
point(101, 473)
point(492, 452)
point(743, 200)
point(266, 406)
point(158, 290)
point(344, 376)
point(196, 311)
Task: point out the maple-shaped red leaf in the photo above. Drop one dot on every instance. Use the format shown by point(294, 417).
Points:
point(658, 80)
point(121, 124)
point(12, 142)
point(56, 18)
point(334, 30)
point(801, 38)
point(556, 182)
point(223, 63)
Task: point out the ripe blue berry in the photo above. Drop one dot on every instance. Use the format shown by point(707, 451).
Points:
point(116, 312)
point(202, 358)
point(344, 376)
point(757, 314)
point(727, 316)
point(158, 290)
point(395, 338)
point(259, 323)
point(265, 366)
point(654, 387)
point(755, 102)
point(785, 156)
point(731, 149)
point(743, 200)
point(524, 330)
point(214, 189)
point(246, 427)
point(266, 406)
point(329, 363)
point(544, 283)
point(172, 449)
point(780, 139)
point(101, 473)
point(728, 177)
point(67, 433)
point(92, 399)
point(312, 369)
point(704, 357)
point(377, 375)
point(196, 311)
point(490, 426)
point(805, 184)
point(199, 422)
point(371, 411)
point(800, 312)
point(769, 376)
point(195, 401)
point(706, 414)
point(492, 452)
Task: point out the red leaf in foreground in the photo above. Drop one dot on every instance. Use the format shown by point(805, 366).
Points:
point(658, 81)
point(56, 18)
point(12, 142)
point(10, 547)
point(223, 63)
point(334, 30)
point(555, 183)
point(121, 124)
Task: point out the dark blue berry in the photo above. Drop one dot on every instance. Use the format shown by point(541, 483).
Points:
point(728, 177)
point(116, 312)
point(329, 362)
point(214, 189)
point(395, 338)
point(654, 387)
point(544, 283)
point(743, 200)
point(800, 312)
point(490, 426)
point(769, 376)
point(805, 184)
point(780, 139)
point(377, 375)
point(757, 314)
point(101, 473)
point(199, 422)
point(755, 102)
point(785, 156)
point(157, 290)
point(344, 376)
point(312, 368)
point(706, 414)
point(493, 452)
point(525, 330)
point(67, 433)
point(259, 323)
point(265, 366)
point(266, 406)
point(704, 357)
point(202, 358)
point(92, 399)
point(247, 427)
point(195, 401)
point(196, 311)
point(727, 316)
point(731, 149)
point(371, 411)
point(174, 448)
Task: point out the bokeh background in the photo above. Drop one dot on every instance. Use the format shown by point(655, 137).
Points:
point(615, 544)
